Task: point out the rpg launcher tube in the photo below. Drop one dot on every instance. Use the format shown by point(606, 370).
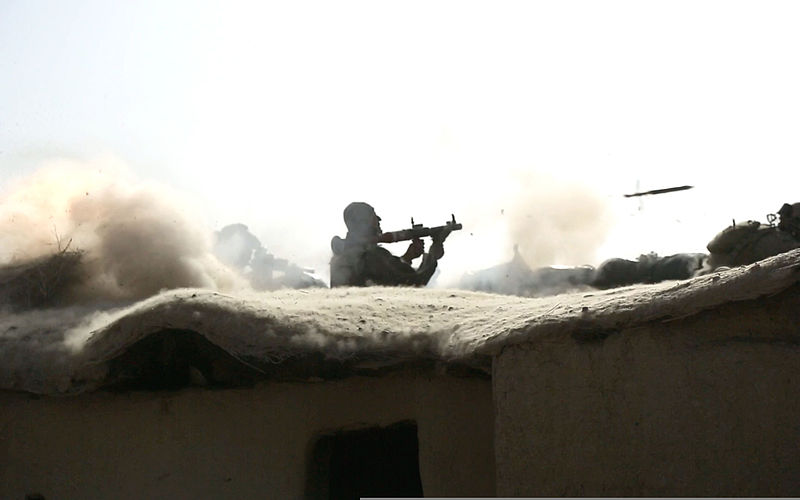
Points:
point(416, 232)
point(403, 235)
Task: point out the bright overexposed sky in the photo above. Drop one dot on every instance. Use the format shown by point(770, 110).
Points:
point(277, 114)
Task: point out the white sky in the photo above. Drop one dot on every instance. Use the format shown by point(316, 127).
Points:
point(277, 114)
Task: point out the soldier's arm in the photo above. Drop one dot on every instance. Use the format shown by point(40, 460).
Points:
point(383, 268)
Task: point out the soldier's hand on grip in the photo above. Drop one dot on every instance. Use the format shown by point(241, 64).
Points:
point(415, 249)
point(441, 235)
point(437, 250)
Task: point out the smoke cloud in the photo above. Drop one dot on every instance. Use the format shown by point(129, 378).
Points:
point(556, 222)
point(551, 221)
point(138, 238)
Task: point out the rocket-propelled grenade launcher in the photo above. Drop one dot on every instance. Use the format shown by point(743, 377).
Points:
point(418, 231)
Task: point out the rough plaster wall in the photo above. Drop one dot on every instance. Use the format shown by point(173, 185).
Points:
point(706, 406)
point(235, 443)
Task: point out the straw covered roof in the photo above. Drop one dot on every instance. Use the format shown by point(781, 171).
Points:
point(321, 333)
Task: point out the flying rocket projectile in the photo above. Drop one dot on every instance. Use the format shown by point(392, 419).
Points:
point(659, 191)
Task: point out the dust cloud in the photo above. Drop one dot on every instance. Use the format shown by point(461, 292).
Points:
point(556, 222)
point(542, 219)
point(527, 223)
point(138, 238)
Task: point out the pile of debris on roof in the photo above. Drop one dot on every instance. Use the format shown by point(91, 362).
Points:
point(517, 278)
point(40, 282)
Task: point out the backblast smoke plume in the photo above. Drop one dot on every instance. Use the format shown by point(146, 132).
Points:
point(137, 238)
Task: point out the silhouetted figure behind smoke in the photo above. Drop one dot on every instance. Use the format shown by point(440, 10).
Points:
point(359, 261)
point(236, 246)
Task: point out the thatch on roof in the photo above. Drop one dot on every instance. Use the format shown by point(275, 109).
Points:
point(310, 332)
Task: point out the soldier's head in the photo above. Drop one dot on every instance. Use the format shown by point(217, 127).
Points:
point(361, 219)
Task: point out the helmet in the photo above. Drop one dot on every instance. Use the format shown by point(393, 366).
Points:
point(358, 215)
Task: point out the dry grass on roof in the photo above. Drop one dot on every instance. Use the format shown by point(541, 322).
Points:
point(40, 282)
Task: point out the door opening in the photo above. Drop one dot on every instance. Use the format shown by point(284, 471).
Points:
point(371, 462)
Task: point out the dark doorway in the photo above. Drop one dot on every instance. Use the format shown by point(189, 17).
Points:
point(372, 462)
